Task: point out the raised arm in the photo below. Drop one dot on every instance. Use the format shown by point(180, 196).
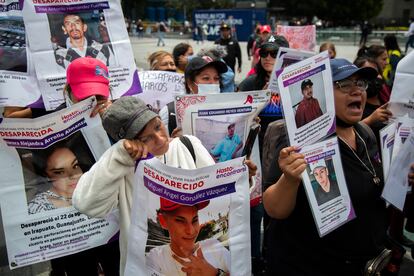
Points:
point(279, 199)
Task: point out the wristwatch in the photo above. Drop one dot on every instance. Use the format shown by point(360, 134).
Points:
point(220, 272)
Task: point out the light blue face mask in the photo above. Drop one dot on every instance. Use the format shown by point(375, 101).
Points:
point(208, 88)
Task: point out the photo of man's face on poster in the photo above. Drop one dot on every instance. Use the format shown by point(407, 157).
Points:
point(308, 98)
point(13, 55)
point(75, 35)
point(323, 179)
point(180, 238)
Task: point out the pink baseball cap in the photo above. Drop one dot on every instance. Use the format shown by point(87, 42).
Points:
point(87, 77)
point(265, 28)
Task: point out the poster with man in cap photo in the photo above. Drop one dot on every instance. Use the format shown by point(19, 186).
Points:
point(308, 109)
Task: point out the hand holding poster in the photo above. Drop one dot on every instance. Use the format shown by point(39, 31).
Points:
point(299, 37)
point(16, 67)
point(210, 203)
point(326, 187)
point(160, 87)
point(307, 99)
point(43, 159)
point(222, 123)
point(92, 28)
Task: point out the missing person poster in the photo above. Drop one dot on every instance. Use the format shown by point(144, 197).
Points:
point(325, 186)
point(299, 37)
point(222, 122)
point(41, 162)
point(18, 84)
point(284, 58)
point(185, 220)
point(160, 87)
point(396, 185)
point(405, 126)
point(306, 91)
point(61, 31)
point(387, 138)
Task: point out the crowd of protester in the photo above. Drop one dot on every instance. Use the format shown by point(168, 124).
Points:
point(291, 244)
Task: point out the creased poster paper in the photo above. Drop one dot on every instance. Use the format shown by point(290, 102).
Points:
point(18, 83)
point(199, 212)
point(41, 162)
point(222, 123)
point(59, 33)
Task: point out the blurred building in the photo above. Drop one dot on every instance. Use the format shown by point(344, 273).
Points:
point(396, 12)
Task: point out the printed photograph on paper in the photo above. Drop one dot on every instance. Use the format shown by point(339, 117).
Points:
point(308, 98)
point(176, 231)
point(13, 55)
point(306, 91)
point(51, 174)
point(326, 187)
point(323, 180)
point(223, 139)
point(80, 34)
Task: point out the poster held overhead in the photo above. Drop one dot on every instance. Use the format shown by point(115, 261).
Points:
point(92, 28)
point(17, 72)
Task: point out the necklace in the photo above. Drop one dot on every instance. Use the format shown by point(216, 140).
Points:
point(375, 178)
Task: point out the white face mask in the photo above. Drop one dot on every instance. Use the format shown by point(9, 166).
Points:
point(208, 88)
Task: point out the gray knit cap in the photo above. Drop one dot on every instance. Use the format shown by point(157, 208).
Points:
point(126, 117)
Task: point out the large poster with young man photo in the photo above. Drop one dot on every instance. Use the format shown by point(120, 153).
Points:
point(89, 28)
point(189, 221)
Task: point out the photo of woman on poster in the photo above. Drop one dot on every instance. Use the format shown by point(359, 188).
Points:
point(185, 254)
point(61, 166)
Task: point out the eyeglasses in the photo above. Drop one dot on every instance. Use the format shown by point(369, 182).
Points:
point(347, 85)
point(264, 54)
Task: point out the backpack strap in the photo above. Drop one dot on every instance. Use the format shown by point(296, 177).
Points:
point(187, 143)
point(172, 123)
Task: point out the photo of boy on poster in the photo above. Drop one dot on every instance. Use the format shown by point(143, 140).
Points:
point(13, 55)
point(323, 179)
point(75, 35)
point(51, 174)
point(229, 146)
point(189, 246)
point(309, 108)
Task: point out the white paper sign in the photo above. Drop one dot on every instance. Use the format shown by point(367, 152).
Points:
point(396, 185)
point(307, 99)
point(325, 186)
point(160, 87)
point(41, 162)
point(18, 84)
point(60, 32)
point(387, 137)
point(222, 123)
point(200, 213)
